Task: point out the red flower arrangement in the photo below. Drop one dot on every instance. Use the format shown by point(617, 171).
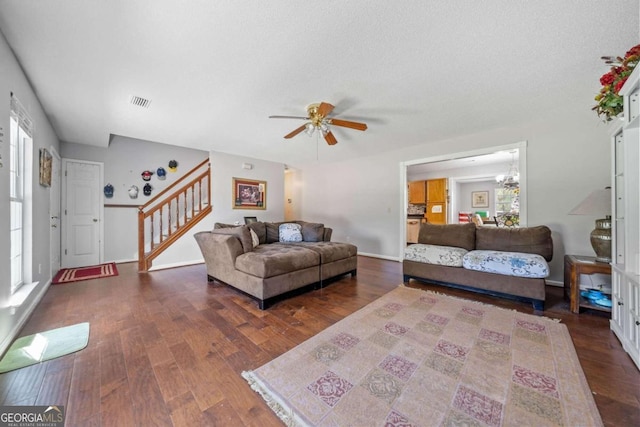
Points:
point(609, 101)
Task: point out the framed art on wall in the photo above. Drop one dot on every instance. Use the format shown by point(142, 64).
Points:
point(45, 167)
point(479, 199)
point(249, 194)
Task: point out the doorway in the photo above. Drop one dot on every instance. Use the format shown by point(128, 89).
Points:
point(54, 214)
point(463, 167)
point(82, 224)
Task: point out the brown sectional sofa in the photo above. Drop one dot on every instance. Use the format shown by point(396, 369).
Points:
point(532, 240)
point(272, 269)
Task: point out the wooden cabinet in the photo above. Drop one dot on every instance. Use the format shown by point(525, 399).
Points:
point(417, 193)
point(625, 233)
point(433, 193)
point(437, 190)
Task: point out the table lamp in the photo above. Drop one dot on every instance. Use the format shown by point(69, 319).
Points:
point(598, 203)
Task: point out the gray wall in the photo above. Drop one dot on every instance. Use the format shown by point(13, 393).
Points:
point(13, 80)
point(567, 158)
point(124, 160)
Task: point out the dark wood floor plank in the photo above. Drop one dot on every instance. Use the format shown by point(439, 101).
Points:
point(168, 348)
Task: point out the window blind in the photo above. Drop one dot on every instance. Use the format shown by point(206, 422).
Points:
point(19, 113)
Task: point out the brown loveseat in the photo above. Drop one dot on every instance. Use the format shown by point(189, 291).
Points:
point(506, 262)
point(268, 269)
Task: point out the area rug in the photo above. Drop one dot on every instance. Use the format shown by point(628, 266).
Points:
point(67, 275)
point(418, 358)
point(43, 346)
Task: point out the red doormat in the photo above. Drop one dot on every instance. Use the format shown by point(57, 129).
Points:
point(67, 275)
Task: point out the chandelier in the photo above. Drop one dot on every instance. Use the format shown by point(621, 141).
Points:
point(511, 180)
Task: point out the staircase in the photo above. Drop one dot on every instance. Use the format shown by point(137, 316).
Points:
point(173, 212)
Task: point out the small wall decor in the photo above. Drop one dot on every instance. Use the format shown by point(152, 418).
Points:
point(133, 192)
point(45, 167)
point(108, 191)
point(173, 165)
point(249, 194)
point(479, 199)
point(147, 189)
point(146, 175)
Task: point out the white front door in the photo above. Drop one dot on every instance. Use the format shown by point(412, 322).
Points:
point(54, 214)
point(82, 216)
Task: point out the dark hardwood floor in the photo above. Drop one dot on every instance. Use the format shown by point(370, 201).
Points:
point(166, 348)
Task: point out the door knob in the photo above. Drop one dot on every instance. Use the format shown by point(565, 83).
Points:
point(95, 220)
point(53, 226)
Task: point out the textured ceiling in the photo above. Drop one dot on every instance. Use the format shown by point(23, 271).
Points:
point(414, 71)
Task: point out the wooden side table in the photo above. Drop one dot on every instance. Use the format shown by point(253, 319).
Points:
point(574, 266)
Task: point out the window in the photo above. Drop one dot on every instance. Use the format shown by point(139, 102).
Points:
point(20, 171)
point(507, 200)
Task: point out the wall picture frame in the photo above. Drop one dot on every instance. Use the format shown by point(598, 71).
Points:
point(249, 194)
point(479, 199)
point(45, 167)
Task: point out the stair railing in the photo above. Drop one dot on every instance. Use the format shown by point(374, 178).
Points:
point(172, 212)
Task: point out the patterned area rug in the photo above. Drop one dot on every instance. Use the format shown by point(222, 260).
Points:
point(67, 275)
point(418, 358)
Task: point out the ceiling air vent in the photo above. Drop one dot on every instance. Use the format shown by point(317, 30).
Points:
point(139, 102)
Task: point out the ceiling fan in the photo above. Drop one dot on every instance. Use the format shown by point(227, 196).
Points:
point(318, 120)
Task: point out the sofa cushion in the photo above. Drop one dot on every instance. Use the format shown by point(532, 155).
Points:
point(290, 232)
point(260, 228)
point(312, 231)
point(331, 251)
point(219, 225)
point(435, 254)
point(241, 232)
point(255, 241)
point(276, 259)
point(457, 235)
point(532, 240)
point(273, 231)
point(507, 263)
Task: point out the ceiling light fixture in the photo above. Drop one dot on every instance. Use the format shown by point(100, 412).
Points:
point(511, 180)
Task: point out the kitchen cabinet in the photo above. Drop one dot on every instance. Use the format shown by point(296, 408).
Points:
point(417, 193)
point(436, 213)
point(436, 190)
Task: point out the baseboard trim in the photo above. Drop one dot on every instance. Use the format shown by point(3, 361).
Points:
point(388, 258)
point(177, 264)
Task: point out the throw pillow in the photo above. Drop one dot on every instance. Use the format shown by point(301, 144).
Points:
point(260, 229)
point(254, 238)
point(290, 232)
point(312, 231)
point(273, 232)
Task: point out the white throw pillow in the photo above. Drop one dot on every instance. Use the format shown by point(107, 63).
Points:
point(290, 232)
point(254, 238)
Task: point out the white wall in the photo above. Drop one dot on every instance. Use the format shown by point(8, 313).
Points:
point(567, 158)
point(13, 80)
point(464, 196)
point(124, 161)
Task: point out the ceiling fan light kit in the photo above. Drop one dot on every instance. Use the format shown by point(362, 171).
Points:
point(318, 121)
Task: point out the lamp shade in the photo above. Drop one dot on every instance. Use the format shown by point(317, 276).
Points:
point(597, 203)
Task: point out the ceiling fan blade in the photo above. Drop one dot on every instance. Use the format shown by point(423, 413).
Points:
point(324, 109)
point(289, 117)
point(295, 132)
point(348, 124)
point(331, 140)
